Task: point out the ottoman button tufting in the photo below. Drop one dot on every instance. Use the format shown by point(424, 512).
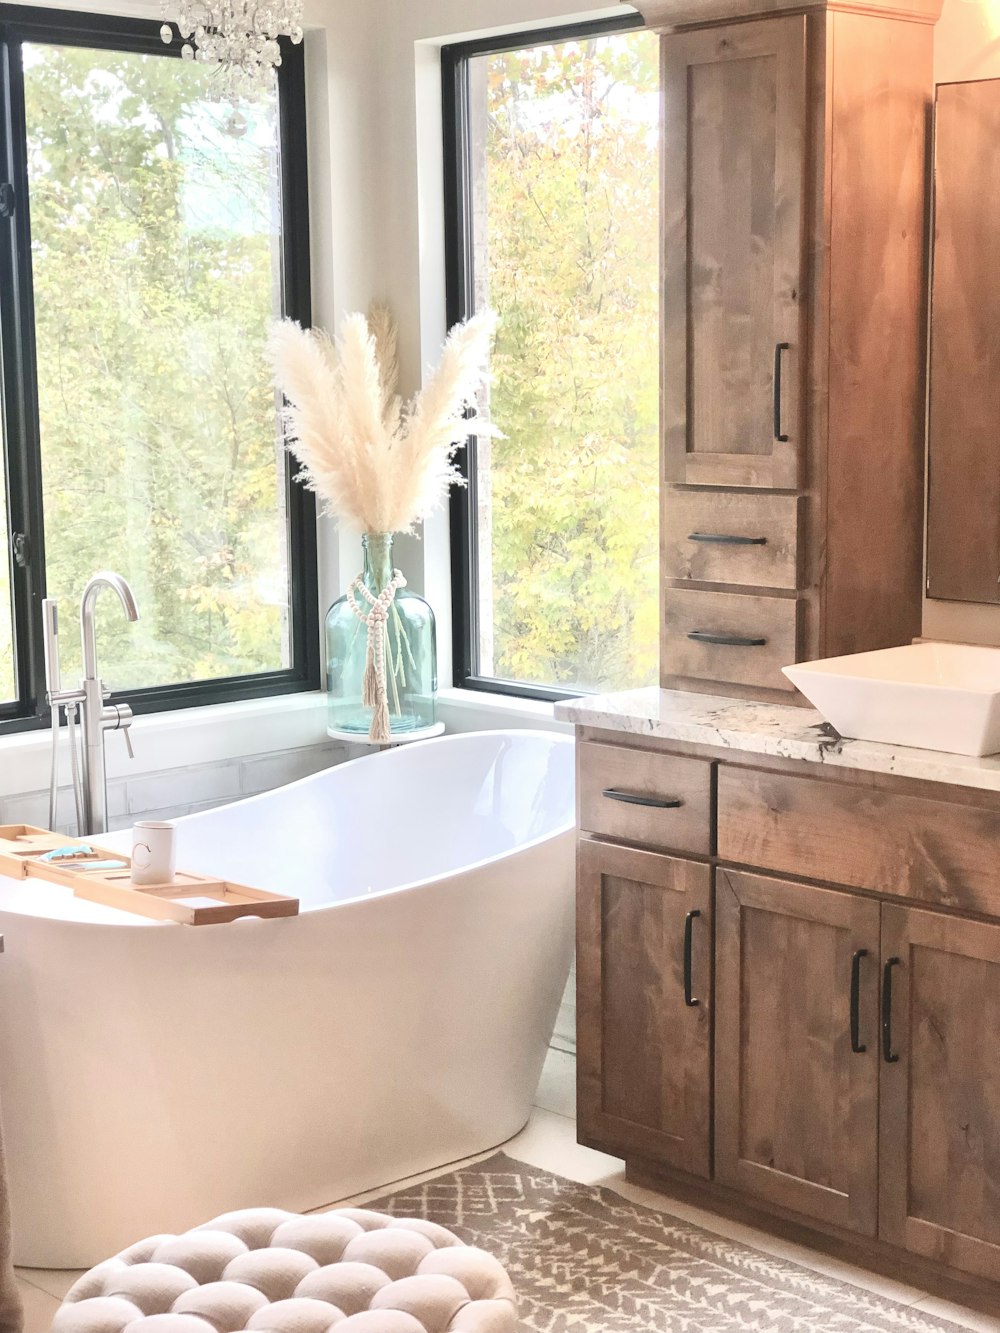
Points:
point(99, 1314)
point(269, 1271)
point(381, 1321)
point(395, 1251)
point(153, 1287)
point(254, 1226)
point(484, 1278)
point(434, 1300)
point(298, 1315)
point(227, 1306)
point(276, 1272)
point(323, 1238)
point(168, 1323)
point(204, 1256)
point(349, 1286)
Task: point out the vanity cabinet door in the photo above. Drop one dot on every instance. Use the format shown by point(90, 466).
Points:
point(796, 1042)
point(644, 997)
point(940, 1089)
point(734, 145)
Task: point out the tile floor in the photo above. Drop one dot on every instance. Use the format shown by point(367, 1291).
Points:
point(548, 1141)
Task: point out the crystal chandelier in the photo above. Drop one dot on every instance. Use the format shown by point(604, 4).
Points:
point(240, 37)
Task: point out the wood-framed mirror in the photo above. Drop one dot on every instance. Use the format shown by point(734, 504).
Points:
point(963, 499)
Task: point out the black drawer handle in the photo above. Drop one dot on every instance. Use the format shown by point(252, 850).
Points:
point(636, 798)
point(888, 1054)
point(725, 539)
point(727, 640)
point(689, 921)
point(857, 1045)
point(778, 349)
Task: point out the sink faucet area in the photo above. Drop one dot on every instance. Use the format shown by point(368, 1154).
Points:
point(89, 702)
point(933, 696)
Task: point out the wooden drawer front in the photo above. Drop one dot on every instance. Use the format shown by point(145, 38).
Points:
point(733, 537)
point(910, 846)
point(762, 634)
point(612, 774)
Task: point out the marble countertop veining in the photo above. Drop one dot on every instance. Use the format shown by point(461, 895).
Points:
point(781, 730)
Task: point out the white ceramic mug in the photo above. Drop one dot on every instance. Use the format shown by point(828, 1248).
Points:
point(154, 852)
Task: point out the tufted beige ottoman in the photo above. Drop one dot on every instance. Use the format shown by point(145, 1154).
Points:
point(275, 1272)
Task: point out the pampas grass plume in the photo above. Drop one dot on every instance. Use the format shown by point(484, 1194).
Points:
point(378, 464)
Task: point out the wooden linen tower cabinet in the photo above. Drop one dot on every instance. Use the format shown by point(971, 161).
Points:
point(794, 224)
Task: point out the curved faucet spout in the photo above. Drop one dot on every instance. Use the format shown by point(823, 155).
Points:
point(105, 579)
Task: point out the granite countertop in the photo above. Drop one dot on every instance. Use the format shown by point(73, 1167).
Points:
point(781, 730)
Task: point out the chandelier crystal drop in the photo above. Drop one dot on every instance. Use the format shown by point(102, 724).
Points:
point(239, 37)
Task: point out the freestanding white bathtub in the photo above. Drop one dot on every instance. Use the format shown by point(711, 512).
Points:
point(155, 1075)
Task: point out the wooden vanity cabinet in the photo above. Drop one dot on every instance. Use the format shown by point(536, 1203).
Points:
point(794, 197)
point(840, 1067)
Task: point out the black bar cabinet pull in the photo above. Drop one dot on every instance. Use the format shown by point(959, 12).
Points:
point(725, 539)
point(778, 349)
point(636, 798)
point(857, 1045)
point(888, 1054)
point(689, 921)
point(728, 640)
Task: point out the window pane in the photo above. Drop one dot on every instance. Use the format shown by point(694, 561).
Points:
point(156, 257)
point(565, 145)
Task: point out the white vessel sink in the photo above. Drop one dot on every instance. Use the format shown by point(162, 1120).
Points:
point(935, 696)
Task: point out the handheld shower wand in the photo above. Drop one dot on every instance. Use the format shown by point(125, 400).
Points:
point(60, 699)
point(53, 675)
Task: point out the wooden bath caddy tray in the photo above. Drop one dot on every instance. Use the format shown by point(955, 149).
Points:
point(192, 900)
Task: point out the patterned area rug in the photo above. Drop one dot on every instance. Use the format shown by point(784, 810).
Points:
point(585, 1260)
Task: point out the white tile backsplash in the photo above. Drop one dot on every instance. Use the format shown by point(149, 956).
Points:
point(33, 807)
point(265, 772)
point(183, 786)
point(179, 791)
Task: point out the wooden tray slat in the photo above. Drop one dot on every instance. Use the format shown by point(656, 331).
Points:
point(22, 846)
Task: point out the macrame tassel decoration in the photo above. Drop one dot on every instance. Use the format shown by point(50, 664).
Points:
point(374, 693)
point(369, 685)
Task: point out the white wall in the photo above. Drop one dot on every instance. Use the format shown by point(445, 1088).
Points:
point(967, 41)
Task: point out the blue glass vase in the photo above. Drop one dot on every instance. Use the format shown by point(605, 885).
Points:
point(409, 653)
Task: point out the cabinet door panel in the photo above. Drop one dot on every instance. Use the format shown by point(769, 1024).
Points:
point(734, 179)
point(643, 1052)
point(940, 1099)
point(796, 1107)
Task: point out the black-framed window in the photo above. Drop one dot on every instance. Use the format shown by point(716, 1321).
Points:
point(148, 234)
point(552, 219)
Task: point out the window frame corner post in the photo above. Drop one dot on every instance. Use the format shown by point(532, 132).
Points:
point(303, 556)
point(19, 399)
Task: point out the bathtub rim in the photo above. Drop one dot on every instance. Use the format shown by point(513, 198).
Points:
point(135, 922)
